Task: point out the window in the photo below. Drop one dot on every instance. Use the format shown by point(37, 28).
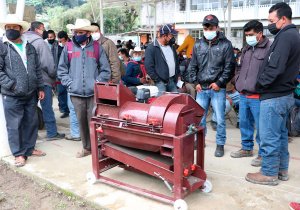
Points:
point(196, 33)
point(204, 4)
point(182, 5)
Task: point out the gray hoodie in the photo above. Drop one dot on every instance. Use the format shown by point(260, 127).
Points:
point(45, 57)
point(20, 73)
point(81, 73)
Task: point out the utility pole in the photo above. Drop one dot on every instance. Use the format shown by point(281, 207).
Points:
point(101, 17)
point(3, 9)
point(229, 19)
point(20, 9)
point(154, 22)
point(4, 147)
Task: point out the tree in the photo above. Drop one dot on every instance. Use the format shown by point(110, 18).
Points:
point(117, 20)
point(43, 5)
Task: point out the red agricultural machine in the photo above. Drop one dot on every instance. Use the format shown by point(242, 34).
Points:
point(161, 139)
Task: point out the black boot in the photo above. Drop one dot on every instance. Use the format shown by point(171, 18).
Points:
point(219, 151)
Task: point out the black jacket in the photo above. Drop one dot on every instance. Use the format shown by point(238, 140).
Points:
point(277, 75)
point(15, 79)
point(212, 62)
point(156, 64)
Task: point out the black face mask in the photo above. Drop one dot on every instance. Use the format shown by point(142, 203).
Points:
point(12, 34)
point(273, 29)
point(172, 41)
point(51, 41)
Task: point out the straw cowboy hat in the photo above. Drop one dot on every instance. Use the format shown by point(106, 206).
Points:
point(82, 24)
point(136, 49)
point(13, 19)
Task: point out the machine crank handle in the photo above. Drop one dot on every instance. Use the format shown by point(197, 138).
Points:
point(165, 181)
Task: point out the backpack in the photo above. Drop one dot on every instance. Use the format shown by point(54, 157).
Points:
point(96, 46)
point(293, 122)
point(143, 72)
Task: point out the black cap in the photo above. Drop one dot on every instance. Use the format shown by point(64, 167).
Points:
point(167, 29)
point(210, 20)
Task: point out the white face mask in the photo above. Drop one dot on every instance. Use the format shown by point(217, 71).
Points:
point(210, 35)
point(96, 36)
point(251, 40)
point(61, 44)
point(184, 56)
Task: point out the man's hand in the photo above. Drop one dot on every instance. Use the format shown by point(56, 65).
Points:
point(214, 86)
point(143, 80)
point(41, 95)
point(198, 88)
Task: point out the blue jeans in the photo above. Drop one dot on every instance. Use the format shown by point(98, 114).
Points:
point(48, 113)
point(227, 110)
point(166, 87)
point(74, 127)
point(21, 123)
point(297, 102)
point(249, 113)
point(235, 97)
point(62, 96)
point(274, 134)
point(218, 100)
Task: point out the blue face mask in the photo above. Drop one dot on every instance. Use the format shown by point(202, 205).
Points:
point(81, 38)
point(251, 40)
point(210, 35)
point(137, 59)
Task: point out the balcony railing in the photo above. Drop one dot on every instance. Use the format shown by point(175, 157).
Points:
point(238, 14)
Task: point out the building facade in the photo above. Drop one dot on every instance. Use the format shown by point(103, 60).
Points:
point(188, 15)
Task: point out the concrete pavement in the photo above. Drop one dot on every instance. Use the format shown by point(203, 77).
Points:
point(230, 190)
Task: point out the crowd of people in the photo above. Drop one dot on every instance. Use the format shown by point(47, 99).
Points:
point(258, 82)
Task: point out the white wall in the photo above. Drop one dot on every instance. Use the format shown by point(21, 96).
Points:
point(4, 147)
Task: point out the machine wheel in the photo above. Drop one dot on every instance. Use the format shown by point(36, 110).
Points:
point(207, 187)
point(180, 205)
point(91, 178)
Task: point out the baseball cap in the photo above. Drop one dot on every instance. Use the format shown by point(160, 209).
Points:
point(210, 20)
point(167, 29)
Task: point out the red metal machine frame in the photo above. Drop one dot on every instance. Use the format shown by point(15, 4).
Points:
point(122, 139)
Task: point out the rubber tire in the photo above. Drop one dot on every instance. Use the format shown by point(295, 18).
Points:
point(91, 178)
point(180, 205)
point(207, 187)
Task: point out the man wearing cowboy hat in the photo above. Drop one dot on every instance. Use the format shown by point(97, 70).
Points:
point(135, 71)
point(83, 61)
point(21, 84)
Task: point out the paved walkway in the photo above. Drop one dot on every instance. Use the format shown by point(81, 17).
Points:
point(230, 190)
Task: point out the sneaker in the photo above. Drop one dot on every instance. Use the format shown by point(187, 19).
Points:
point(256, 162)
point(241, 153)
point(259, 178)
point(57, 137)
point(283, 175)
point(213, 125)
point(219, 151)
point(71, 138)
point(64, 115)
point(294, 206)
